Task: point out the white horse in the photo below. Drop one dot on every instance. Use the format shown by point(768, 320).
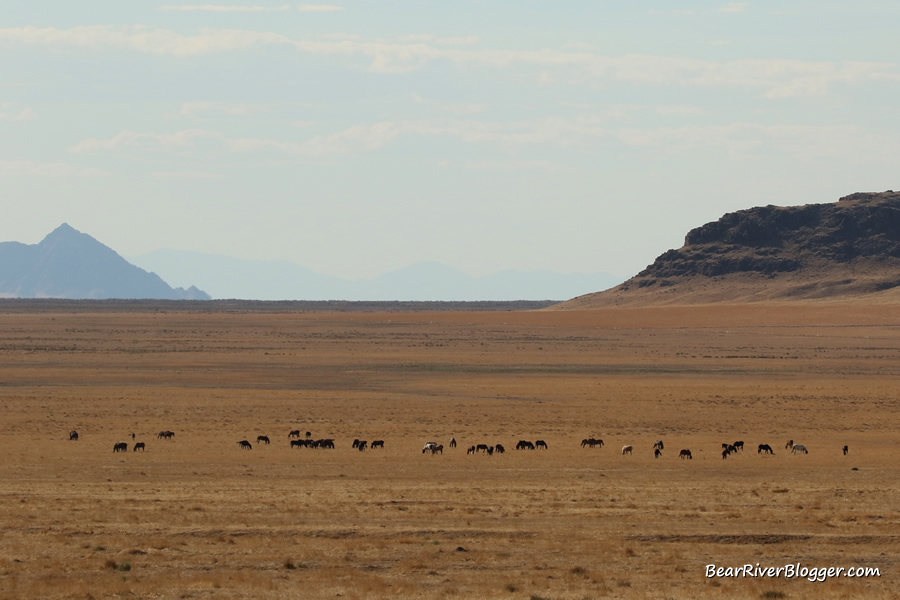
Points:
point(429, 446)
point(627, 450)
point(799, 448)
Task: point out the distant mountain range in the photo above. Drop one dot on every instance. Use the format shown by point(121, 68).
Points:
point(225, 278)
point(71, 264)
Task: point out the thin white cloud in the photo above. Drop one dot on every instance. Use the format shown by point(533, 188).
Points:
point(197, 109)
point(184, 175)
point(320, 8)
point(733, 7)
point(518, 165)
point(12, 112)
point(136, 140)
point(678, 109)
point(773, 78)
point(42, 169)
point(222, 8)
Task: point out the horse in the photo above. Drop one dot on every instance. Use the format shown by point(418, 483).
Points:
point(846, 450)
point(139, 445)
point(120, 447)
point(262, 439)
point(308, 435)
point(658, 445)
point(656, 452)
point(299, 443)
point(789, 445)
point(725, 453)
point(355, 443)
point(728, 449)
point(73, 435)
point(540, 444)
point(738, 445)
point(245, 444)
point(627, 450)
point(685, 454)
point(524, 445)
point(591, 443)
point(377, 444)
point(295, 433)
point(453, 442)
point(765, 449)
point(326, 443)
point(799, 448)
point(438, 448)
point(470, 450)
point(499, 449)
point(165, 435)
point(490, 450)
point(362, 445)
point(428, 446)
point(481, 448)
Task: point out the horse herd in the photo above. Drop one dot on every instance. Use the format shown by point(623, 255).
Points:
point(435, 448)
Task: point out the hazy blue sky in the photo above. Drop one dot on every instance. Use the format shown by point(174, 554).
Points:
point(360, 137)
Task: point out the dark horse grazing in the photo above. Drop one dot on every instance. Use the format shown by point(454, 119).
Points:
point(262, 439)
point(120, 447)
point(846, 450)
point(362, 445)
point(165, 435)
point(540, 444)
point(524, 445)
point(656, 452)
point(685, 454)
point(139, 445)
point(453, 442)
point(738, 445)
point(591, 443)
point(499, 449)
point(245, 444)
point(377, 444)
point(295, 433)
point(765, 449)
point(438, 448)
point(73, 435)
point(481, 448)
point(299, 443)
point(471, 450)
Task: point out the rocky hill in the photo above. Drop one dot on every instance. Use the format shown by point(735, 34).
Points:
point(846, 248)
point(71, 264)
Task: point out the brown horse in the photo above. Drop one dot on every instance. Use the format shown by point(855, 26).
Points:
point(627, 450)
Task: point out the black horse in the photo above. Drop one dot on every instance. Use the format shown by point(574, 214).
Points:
point(73, 435)
point(765, 449)
point(139, 445)
point(120, 447)
point(264, 439)
point(245, 444)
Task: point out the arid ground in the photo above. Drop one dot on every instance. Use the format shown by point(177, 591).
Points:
point(196, 516)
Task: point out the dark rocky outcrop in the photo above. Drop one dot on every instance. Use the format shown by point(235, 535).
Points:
point(71, 264)
point(851, 246)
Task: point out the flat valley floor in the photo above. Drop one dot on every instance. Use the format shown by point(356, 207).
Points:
point(196, 516)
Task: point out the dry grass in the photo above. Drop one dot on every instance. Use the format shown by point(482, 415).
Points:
point(196, 517)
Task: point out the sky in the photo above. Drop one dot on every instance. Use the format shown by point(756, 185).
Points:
point(360, 137)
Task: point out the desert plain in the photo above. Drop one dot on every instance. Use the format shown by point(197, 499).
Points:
point(196, 516)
